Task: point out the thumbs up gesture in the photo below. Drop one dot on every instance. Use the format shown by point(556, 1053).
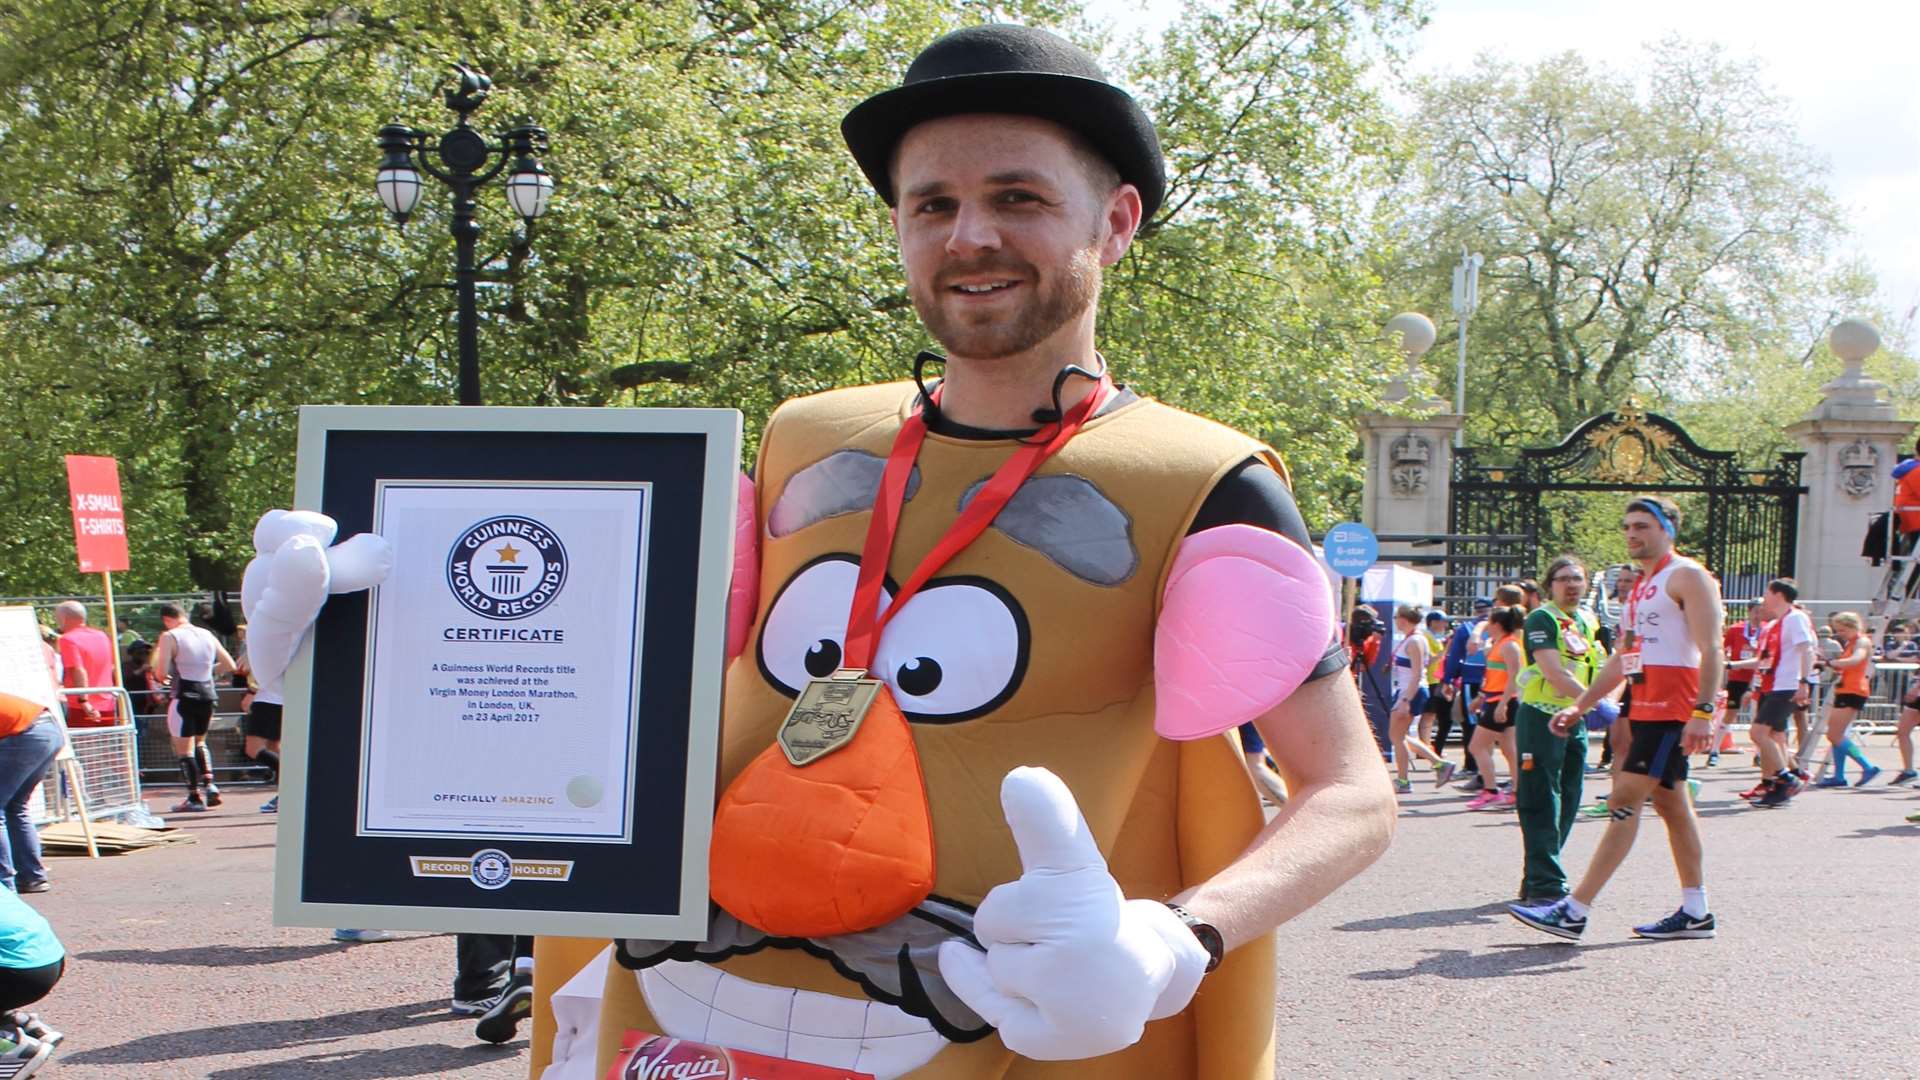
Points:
point(1071, 968)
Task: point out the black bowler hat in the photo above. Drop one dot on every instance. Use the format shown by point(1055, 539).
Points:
point(1002, 68)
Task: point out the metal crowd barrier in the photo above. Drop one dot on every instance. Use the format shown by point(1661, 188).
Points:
point(109, 771)
point(225, 741)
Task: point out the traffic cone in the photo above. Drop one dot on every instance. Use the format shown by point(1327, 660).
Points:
point(1726, 742)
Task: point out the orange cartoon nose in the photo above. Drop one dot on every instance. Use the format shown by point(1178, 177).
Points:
point(841, 844)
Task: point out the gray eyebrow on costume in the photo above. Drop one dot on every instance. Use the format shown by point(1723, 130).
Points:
point(844, 482)
point(1068, 519)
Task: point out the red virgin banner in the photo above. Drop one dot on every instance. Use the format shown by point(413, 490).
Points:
point(99, 523)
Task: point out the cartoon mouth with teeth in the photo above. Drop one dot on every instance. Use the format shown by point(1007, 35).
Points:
point(1036, 645)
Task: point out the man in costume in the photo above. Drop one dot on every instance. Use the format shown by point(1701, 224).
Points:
point(1037, 845)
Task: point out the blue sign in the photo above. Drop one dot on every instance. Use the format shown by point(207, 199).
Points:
point(1351, 548)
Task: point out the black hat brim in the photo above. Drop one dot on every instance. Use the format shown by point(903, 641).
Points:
point(1104, 115)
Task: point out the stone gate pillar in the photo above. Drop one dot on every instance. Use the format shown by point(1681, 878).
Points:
point(1409, 453)
point(1852, 439)
point(1409, 463)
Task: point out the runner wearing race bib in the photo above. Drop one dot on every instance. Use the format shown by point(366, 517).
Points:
point(1674, 619)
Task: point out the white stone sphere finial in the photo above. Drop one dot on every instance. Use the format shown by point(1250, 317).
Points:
point(1853, 340)
point(1415, 332)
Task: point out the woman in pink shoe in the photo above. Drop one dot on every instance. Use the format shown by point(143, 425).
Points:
point(1500, 694)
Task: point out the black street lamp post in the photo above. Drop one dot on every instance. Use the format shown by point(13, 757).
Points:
point(468, 161)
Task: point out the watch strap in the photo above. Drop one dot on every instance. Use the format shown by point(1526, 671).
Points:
point(1208, 936)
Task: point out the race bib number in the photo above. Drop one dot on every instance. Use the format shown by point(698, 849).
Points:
point(1632, 665)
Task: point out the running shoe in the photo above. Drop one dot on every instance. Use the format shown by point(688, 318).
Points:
point(1505, 801)
point(353, 937)
point(1442, 773)
point(1402, 787)
point(1677, 925)
point(1595, 810)
point(21, 1055)
point(1914, 817)
point(1758, 790)
point(271, 806)
point(1867, 777)
point(1904, 776)
point(1483, 800)
point(188, 806)
point(504, 1016)
point(1473, 782)
point(1713, 758)
point(1777, 796)
point(1553, 919)
point(33, 1027)
point(40, 886)
point(472, 1006)
point(1832, 781)
point(1802, 775)
point(213, 796)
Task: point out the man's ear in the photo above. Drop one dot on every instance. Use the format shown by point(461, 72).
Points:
point(1122, 221)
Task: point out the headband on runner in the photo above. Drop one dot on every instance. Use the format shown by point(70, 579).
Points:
point(1659, 515)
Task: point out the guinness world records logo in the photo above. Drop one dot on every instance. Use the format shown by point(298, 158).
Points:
point(506, 567)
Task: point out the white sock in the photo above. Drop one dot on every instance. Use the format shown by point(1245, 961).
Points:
point(1575, 908)
point(523, 965)
point(1694, 902)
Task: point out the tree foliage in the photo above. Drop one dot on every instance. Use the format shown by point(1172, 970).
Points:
point(1644, 231)
point(193, 249)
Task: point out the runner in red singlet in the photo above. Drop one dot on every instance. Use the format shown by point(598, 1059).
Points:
point(1674, 621)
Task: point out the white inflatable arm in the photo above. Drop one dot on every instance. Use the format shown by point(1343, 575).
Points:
point(289, 580)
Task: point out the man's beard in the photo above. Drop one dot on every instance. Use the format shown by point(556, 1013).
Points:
point(1055, 300)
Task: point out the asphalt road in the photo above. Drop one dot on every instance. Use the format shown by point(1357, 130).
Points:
point(1413, 970)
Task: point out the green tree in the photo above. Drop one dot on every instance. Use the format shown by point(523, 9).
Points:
point(1641, 229)
point(193, 249)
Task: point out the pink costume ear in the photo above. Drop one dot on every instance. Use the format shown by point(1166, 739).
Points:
point(1247, 615)
point(743, 597)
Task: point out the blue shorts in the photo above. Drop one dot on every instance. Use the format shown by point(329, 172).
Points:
point(1418, 703)
point(1250, 739)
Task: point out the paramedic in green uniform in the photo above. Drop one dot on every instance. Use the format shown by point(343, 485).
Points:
point(1562, 652)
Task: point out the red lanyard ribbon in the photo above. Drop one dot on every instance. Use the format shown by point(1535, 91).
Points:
point(865, 621)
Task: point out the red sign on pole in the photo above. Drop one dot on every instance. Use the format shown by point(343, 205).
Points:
point(99, 524)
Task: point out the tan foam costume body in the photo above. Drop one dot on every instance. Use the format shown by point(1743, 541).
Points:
point(1166, 814)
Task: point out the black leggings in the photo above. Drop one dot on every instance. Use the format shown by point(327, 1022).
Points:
point(23, 986)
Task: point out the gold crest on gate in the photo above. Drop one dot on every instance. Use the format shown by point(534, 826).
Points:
point(826, 715)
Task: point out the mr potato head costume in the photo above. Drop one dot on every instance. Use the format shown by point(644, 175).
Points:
point(976, 710)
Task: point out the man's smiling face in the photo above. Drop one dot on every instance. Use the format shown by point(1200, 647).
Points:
point(1004, 223)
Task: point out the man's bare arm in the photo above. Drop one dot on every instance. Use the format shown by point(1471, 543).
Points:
point(1699, 597)
point(1338, 818)
point(222, 660)
point(163, 660)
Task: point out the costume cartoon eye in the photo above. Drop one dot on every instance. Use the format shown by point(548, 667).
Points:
point(804, 633)
point(956, 651)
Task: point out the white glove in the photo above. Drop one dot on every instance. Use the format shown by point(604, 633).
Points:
point(289, 579)
point(1072, 968)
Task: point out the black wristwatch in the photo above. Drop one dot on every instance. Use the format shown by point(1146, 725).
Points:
point(1209, 937)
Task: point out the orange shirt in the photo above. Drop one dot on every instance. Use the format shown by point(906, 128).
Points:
point(1858, 678)
point(17, 714)
point(1497, 673)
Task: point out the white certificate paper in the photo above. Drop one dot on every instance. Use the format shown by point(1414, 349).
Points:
point(503, 663)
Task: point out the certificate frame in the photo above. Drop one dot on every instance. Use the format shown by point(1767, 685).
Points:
point(651, 884)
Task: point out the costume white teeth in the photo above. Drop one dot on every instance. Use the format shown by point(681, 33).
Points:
point(700, 1003)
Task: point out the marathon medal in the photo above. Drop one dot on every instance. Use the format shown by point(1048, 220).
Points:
point(826, 715)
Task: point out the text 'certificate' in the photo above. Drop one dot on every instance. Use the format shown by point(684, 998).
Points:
point(503, 666)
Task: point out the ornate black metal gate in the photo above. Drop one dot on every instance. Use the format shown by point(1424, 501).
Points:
point(1741, 522)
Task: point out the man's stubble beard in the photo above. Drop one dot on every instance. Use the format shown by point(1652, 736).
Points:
point(1057, 300)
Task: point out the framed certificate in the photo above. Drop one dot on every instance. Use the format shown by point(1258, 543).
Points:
point(517, 732)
